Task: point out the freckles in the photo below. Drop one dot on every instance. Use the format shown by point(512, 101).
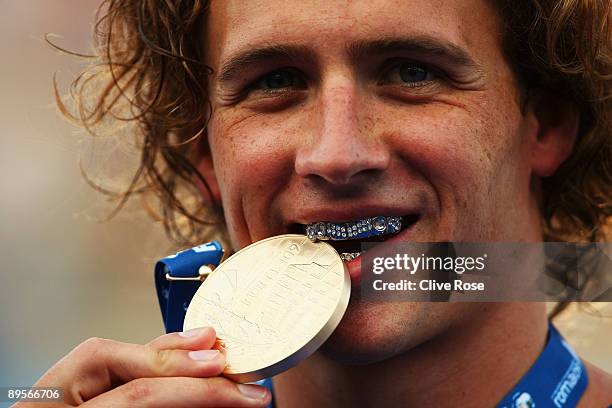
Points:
point(367, 122)
point(462, 160)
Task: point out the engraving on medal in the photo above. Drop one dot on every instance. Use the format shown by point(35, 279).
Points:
point(272, 304)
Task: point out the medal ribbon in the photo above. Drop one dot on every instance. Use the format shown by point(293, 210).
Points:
point(557, 379)
point(175, 295)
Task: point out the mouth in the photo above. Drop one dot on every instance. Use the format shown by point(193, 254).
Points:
point(348, 236)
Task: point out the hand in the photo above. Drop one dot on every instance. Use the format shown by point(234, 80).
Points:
point(176, 369)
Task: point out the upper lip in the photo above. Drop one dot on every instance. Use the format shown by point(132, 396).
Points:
point(345, 213)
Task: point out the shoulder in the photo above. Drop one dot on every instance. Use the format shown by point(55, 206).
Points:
point(599, 390)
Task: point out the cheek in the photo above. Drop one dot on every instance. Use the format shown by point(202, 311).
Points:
point(449, 147)
point(253, 160)
point(466, 153)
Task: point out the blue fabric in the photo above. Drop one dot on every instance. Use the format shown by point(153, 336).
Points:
point(174, 296)
point(557, 379)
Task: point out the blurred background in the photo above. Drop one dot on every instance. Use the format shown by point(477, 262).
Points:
point(65, 275)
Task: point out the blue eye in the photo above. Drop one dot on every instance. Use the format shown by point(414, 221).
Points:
point(411, 73)
point(276, 80)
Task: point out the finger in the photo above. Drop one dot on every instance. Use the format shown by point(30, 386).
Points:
point(195, 339)
point(183, 392)
point(97, 365)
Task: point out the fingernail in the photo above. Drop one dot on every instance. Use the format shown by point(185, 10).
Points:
point(252, 391)
point(193, 332)
point(203, 355)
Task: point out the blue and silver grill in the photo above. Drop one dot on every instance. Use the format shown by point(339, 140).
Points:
point(360, 229)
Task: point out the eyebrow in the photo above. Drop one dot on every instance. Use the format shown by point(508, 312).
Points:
point(235, 64)
point(424, 45)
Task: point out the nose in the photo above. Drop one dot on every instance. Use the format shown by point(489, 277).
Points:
point(340, 149)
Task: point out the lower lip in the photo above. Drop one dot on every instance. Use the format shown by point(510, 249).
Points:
point(354, 266)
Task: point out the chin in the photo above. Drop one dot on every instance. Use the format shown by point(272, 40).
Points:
point(371, 332)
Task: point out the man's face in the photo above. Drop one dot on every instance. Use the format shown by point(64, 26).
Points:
point(341, 110)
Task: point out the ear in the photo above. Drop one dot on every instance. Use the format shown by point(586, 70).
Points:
point(204, 163)
point(552, 138)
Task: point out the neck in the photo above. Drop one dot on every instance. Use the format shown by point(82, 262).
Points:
point(479, 360)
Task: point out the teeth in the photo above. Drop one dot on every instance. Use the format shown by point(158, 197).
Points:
point(349, 256)
point(358, 229)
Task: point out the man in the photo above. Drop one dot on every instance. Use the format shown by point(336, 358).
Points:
point(338, 111)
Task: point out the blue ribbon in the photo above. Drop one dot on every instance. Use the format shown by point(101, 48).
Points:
point(557, 379)
point(174, 296)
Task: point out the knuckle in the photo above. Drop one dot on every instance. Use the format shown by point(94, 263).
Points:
point(93, 342)
point(137, 390)
point(218, 388)
point(93, 345)
point(162, 361)
point(156, 340)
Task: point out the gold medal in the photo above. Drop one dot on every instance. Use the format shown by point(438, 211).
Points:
point(272, 304)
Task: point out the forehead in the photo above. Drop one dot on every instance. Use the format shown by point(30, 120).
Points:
point(236, 25)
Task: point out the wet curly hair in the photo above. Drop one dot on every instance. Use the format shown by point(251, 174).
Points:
point(147, 72)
